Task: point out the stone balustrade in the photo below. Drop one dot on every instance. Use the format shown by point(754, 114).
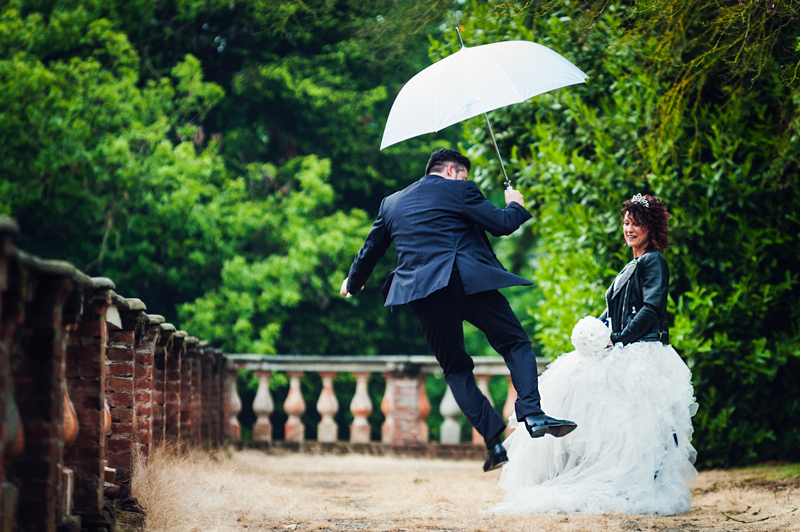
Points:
point(405, 404)
point(88, 381)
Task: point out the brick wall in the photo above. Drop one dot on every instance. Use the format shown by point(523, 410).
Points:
point(74, 354)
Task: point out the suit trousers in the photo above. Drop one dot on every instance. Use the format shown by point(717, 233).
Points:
point(441, 316)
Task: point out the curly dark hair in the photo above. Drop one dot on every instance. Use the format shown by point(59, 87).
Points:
point(654, 217)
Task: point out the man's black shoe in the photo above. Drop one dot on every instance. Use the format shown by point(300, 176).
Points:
point(540, 425)
point(496, 457)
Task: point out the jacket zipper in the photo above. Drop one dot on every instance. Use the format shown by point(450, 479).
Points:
point(625, 304)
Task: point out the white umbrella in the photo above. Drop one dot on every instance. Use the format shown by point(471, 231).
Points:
point(473, 81)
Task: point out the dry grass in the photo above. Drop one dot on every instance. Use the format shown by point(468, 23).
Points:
point(251, 490)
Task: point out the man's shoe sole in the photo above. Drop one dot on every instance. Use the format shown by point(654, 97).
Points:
point(496, 466)
point(556, 430)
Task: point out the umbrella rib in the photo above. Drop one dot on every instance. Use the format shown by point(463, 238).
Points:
point(436, 97)
point(503, 70)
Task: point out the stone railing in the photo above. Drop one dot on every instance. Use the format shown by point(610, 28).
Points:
point(405, 403)
point(88, 380)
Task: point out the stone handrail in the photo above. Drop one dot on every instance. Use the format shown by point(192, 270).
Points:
point(405, 402)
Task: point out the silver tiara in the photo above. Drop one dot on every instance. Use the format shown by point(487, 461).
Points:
point(638, 198)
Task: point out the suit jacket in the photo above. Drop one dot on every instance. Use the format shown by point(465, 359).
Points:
point(434, 224)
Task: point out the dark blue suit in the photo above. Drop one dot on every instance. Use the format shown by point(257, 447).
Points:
point(447, 271)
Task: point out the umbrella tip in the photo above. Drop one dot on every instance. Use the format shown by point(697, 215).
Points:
point(459, 29)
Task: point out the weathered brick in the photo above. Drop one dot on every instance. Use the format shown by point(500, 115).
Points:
point(144, 377)
point(122, 429)
point(121, 414)
point(144, 437)
point(144, 356)
point(143, 397)
point(119, 369)
point(119, 355)
point(120, 400)
point(91, 329)
point(84, 387)
point(119, 384)
point(117, 446)
point(121, 336)
point(121, 460)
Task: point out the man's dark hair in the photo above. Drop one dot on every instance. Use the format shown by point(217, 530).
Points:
point(441, 158)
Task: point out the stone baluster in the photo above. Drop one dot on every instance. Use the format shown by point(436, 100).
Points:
point(327, 406)
point(234, 406)
point(86, 360)
point(511, 400)
point(424, 408)
point(451, 430)
point(187, 388)
point(172, 388)
point(144, 383)
point(483, 386)
point(263, 407)
point(294, 408)
point(361, 407)
point(387, 407)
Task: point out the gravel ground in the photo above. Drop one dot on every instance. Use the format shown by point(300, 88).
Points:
point(249, 490)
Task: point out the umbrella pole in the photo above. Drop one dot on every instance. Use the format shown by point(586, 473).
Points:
point(507, 182)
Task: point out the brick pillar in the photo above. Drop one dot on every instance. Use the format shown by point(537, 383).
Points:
point(196, 406)
point(207, 396)
point(187, 388)
point(223, 382)
point(37, 362)
point(9, 417)
point(405, 412)
point(163, 347)
point(86, 360)
point(143, 382)
point(120, 385)
point(217, 398)
point(172, 398)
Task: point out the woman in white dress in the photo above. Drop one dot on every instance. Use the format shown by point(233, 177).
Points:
point(632, 401)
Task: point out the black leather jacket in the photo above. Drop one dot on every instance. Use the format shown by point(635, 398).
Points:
point(638, 312)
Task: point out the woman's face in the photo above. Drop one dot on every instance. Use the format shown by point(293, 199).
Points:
point(636, 236)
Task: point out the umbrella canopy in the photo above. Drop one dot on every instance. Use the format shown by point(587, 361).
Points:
point(473, 81)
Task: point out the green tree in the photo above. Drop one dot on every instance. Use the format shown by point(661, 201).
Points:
point(683, 105)
point(119, 155)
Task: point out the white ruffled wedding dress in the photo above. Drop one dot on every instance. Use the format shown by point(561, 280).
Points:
point(631, 452)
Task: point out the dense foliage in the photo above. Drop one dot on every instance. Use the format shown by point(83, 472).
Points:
point(208, 156)
point(684, 103)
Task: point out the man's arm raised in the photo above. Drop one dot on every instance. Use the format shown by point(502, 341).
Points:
point(497, 221)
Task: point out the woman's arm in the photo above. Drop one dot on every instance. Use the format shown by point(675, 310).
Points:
point(655, 280)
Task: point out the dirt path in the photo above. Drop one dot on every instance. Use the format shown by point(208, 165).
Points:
point(253, 491)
